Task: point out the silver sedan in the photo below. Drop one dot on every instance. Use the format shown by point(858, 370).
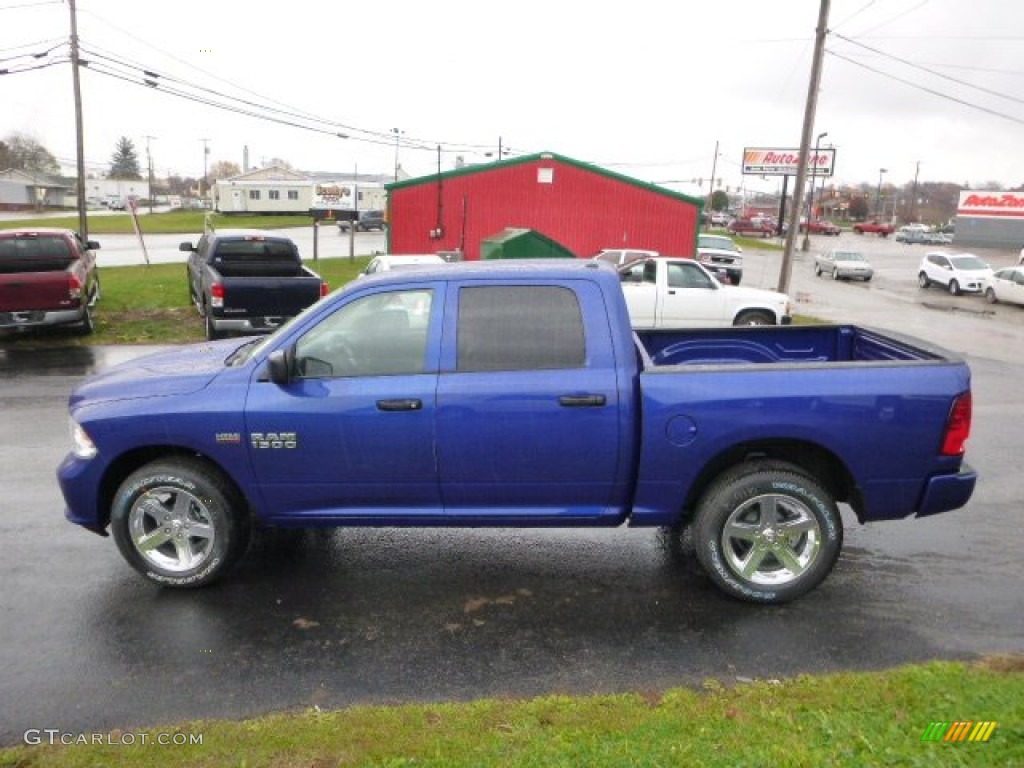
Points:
point(840, 263)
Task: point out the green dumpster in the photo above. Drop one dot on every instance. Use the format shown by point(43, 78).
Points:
point(516, 243)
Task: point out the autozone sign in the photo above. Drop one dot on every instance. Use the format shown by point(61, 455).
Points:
point(991, 204)
point(763, 161)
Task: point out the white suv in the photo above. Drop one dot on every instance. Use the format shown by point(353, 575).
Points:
point(957, 272)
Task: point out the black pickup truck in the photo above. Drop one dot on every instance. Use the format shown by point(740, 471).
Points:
point(248, 281)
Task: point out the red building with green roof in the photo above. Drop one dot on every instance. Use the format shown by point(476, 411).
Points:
point(583, 207)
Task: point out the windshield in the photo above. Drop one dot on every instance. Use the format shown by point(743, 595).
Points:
point(849, 256)
point(721, 243)
point(968, 262)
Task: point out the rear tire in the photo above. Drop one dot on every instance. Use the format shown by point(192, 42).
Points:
point(211, 330)
point(88, 325)
point(754, 317)
point(767, 533)
point(179, 523)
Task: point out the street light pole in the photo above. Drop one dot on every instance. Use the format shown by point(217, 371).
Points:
point(878, 191)
point(810, 199)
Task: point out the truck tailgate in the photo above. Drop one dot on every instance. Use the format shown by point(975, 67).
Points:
point(34, 290)
point(269, 296)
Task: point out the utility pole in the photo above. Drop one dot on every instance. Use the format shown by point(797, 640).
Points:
point(398, 140)
point(206, 154)
point(149, 162)
point(711, 186)
point(83, 223)
point(913, 201)
point(805, 144)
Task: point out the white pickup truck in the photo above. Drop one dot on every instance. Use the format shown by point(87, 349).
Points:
point(680, 293)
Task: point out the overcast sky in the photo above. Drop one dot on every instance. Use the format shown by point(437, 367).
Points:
point(645, 88)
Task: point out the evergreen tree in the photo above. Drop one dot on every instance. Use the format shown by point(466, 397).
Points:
point(124, 163)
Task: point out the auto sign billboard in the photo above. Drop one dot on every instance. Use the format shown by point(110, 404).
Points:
point(767, 161)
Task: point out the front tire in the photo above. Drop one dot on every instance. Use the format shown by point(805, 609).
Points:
point(766, 532)
point(922, 280)
point(954, 288)
point(817, 270)
point(179, 523)
point(990, 296)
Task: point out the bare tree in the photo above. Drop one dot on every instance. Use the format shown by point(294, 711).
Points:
point(24, 153)
point(224, 169)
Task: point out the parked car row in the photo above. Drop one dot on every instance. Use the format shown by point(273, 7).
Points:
point(918, 233)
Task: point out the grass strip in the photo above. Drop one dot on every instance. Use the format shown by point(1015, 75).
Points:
point(865, 718)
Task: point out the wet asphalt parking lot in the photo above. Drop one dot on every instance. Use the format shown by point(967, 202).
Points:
point(336, 617)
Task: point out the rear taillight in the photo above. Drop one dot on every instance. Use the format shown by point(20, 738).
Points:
point(958, 426)
point(74, 287)
point(324, 289)
point(217, 295)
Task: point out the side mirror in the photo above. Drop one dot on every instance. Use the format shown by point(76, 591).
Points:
point(92, 245)
point(186, 247)
point(279, 366)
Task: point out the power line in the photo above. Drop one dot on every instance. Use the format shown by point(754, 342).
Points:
point(926, 89)
point(930, 71)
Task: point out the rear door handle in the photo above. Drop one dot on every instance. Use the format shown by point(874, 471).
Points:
point(400, 405)
point(582, 401)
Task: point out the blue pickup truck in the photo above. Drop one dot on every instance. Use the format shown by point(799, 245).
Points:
point(518, 395)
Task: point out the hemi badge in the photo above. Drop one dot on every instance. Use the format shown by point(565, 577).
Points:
point(229, 438)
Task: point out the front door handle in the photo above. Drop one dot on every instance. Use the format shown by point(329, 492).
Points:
point(400, 405)
point(582, 401)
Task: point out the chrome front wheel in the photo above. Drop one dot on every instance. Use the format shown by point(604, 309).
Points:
point(179, 522)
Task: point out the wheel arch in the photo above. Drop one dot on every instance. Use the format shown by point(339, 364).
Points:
point(742, 312)
point(128, 462)
point(818, 462)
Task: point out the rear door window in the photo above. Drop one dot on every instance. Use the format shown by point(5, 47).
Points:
point(512, 328)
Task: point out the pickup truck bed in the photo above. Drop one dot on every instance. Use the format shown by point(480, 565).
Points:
point(518, 395)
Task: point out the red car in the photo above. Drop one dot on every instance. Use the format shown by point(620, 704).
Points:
point(47, 277)
point(874, 227)
point(820, 227)
point(758, 227)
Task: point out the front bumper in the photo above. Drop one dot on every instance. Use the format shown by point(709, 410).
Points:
point(79, 481)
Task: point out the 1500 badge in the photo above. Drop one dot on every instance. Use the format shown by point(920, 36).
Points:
point(274, 439)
